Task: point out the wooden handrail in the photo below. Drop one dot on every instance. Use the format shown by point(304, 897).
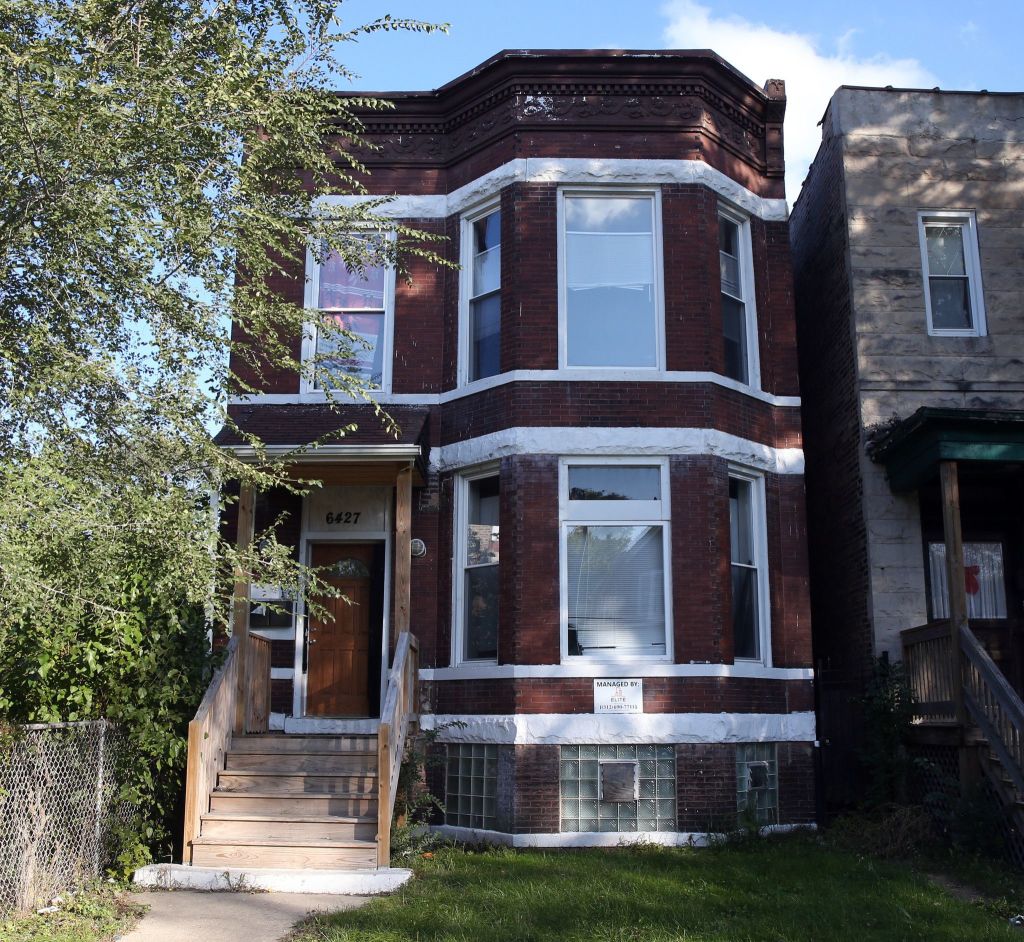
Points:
point(209, 738)
point(994, 705)
point(210, 731)
point(400, 709)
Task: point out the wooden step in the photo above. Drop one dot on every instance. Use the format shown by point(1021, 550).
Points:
point(233, 824)
point(284, 854)
point(279, 804)
point(279, 742)
point(364, 762)
point(302, 783)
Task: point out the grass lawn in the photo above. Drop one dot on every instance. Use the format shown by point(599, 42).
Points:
point(777, 890)
point(96, 915)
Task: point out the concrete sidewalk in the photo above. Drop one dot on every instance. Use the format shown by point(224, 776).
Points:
point(188, 916)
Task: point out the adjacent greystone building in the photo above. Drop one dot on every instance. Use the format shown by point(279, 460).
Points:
point(908, 241)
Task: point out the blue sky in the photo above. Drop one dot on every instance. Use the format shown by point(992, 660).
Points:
point(813, 46)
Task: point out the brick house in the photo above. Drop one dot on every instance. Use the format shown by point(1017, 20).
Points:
point(599, 475)
point(907, 239)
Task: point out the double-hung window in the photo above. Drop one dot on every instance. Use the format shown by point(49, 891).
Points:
point(748, 557)
point(615, 552)
point(477, 586)
point(357, 302)
point(611, 285)
point(953, 297)
point(739, 318)
point(481, 307)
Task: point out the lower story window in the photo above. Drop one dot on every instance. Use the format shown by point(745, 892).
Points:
point(471, 786)
point(589, 775)
point(757, 781)
point(984, 581)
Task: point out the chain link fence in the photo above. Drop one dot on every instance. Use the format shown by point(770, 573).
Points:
point(58, 804)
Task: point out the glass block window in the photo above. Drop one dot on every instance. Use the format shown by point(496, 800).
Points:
point(757, 780)
point(471, 785)
point(580, 789)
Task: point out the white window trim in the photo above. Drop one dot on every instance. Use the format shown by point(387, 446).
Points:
point(972, 266)
point(746, 263)
point(759, 535)
point(601, 514)
point(310, 297)
point(654, 193)
point(491, 205)
point(459, 518)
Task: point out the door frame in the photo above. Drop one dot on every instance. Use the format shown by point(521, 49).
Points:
point(306, 542)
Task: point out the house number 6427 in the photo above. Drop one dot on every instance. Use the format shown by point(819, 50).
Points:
point(343, 516)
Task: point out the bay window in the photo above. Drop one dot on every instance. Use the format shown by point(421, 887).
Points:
point(477, 587)
point(481, 281)
point(614, 536)
point(739, 321)
point(748, 554)
point(611, 294)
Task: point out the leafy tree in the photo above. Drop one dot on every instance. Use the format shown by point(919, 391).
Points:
point(161, 162)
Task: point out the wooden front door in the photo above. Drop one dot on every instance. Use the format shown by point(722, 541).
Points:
point(338, 658)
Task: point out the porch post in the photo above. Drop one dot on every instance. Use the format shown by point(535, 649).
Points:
point(240, 607)
point(403, 550)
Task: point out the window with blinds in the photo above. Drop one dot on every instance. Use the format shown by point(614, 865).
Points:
point(611, 291)
point(748, 564)
point(614, 534)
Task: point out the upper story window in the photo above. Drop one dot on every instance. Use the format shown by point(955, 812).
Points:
point(739, 318)
point(748, 557)
point(614, 536)
point(611, 293)
point(359, 302)
point(481, 309)
point(477, 555)
point(953, 297)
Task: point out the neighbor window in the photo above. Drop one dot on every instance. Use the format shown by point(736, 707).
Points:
point(614, 551)
point(738, 317)
point(747, 564)
point(949, 257)
point(481, 265)
point(984, 581)
point(357, 302)
point(611, 290)
point(478, 555)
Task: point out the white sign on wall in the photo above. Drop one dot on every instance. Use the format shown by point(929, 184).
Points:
point(342, 509)
point(619, 696)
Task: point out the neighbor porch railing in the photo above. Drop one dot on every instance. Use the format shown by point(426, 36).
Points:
point(401, 708)
point(929, 672)
point(994, 706)
point(209, 732)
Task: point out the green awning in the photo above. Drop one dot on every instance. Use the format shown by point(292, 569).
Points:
point(912, 449)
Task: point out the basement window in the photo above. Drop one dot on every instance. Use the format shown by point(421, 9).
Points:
point(757, 781)
point(471, 786)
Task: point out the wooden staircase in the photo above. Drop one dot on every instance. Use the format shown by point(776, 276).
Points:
point(261, 800)
point(293, 802)
point(972, 697)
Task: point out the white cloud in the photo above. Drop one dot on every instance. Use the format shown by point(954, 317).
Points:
point(762, 52)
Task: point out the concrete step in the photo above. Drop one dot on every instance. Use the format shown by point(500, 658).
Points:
point(301, 783)
point(281, 742)
point(282, 804)
point(283, 854)
point(235, 824)
point(365, 762)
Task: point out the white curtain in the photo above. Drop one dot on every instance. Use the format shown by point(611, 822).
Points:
point(983, 580)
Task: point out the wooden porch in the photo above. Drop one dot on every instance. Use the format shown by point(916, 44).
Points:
point(257, 799)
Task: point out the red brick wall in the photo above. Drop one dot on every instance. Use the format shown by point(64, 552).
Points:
point(536, 801)
point(705, 786)
point(796, 783)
